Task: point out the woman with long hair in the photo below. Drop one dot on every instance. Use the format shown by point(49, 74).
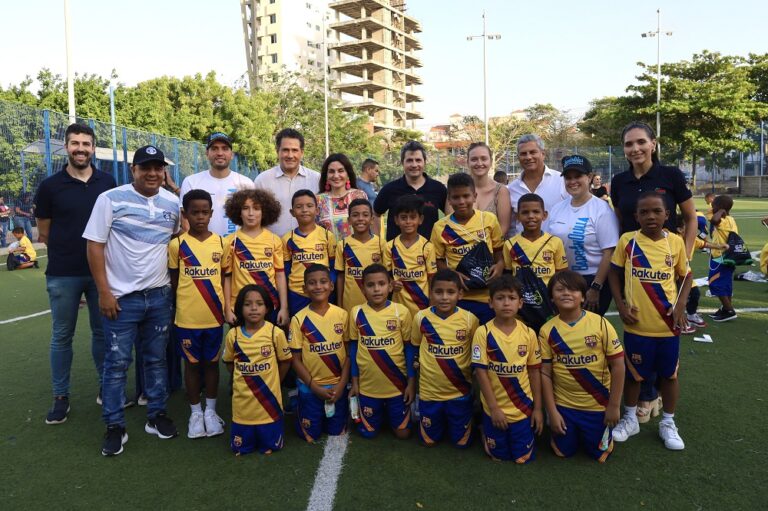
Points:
point(337, 191)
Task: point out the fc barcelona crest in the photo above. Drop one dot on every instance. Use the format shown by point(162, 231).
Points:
point(391, 325)
point(320, 247)
point(266, 351)
point(547, 255)
point(591, 340)
point(268, 251)
point(522, 349)
point(187, 343)
point(376, 258)
point(216, 257)
point(668, 260)
point(367, 411)
point(237, 440)
point(426, 422)
point(637, 358)
point(306, 423)
point(420, 260)
point(461, 335)
point(338, 328)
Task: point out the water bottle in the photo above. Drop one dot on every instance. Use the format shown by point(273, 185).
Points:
point(605, 442)
point(354, 408)
point(330, 409)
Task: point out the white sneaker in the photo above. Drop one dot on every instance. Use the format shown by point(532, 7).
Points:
point(214, 425)
point(668, 433)
point(142, 400)
point(627, 427)
point(696, 320)
point(196, 427)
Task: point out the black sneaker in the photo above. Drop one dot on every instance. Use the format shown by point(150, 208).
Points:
point(58, 412)
point(724, 316)
point(161, 426)
point(114, 440)
point(716, 313)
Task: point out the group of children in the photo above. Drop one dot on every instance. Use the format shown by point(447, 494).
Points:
point(414, 319)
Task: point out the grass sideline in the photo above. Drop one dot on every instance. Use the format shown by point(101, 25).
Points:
point(720, 417)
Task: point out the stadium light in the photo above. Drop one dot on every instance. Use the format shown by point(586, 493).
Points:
point(485, 36)
point(657, 34)
point(70, 80)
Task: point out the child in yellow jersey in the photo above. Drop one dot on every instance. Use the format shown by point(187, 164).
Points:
point(507, 361)
point(582, 372)
point(318, 338)
point(657, 281)
point(409, 256)
point(764, 260)
point(382, 357)
point(533, 247)
point(23, 252)
point(195, 261)
point(461, 235)
point(256, 252)
point(304, 246)
point(354, 253)
point(721, 274)
point(257, 354)
point(443, 333)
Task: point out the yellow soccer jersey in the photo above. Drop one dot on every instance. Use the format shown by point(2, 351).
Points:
point(444, 354)
point(764, 259)
point(720, 233)
point(29, 249)
point(317, 247)
point(453, 241)
point(546, 255)
point(651, 270)
point(199, 295)
point(381, 337)
point(256, 397)
point(579, 356)
point(507, 359)
point(255, 261)
point(352, 257)
point(413, 266)
point(321, 342)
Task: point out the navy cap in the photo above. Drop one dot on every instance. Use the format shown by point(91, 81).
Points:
point(213, 137)
point(576, 162)
point(147, 154)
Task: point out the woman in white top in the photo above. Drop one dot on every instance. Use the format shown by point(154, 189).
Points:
point(491, 195)
point(589, 230)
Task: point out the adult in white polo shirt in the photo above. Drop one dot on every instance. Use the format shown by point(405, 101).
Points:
point(128, 235)
point(536, 178)
point(220, 181)
point(288, 177)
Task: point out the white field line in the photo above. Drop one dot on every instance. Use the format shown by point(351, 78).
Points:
point(42, 256)
point(709, 311)
point(327, 477)
point(22, 318)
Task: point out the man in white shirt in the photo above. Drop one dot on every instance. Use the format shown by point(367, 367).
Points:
point(536, 178)
point(288, 177)
point(128, 235)
point(220, 181)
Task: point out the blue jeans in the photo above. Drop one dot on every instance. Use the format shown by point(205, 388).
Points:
point(64, 295)
point(144, 319)
point(26, 223)
point(4, 233)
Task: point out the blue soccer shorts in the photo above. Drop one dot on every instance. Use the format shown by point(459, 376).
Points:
point(296, 302)
point(482, 310)
point(650, 356)
point(720, 279)
point(583, 428)
point(454, 415)
point(515, 444)
point(373, 410)
point(199, 344)
point(265, 438)
point(311, 421)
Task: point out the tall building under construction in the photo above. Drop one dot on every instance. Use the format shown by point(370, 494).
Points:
point(371, 48)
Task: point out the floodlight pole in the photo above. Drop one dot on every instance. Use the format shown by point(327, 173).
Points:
point(657, 34)
point(70, 79)
point(484, 36)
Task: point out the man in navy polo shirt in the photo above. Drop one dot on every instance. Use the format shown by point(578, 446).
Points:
point(413, 158)
point(63, 205)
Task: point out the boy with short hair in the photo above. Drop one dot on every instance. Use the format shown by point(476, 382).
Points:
point(445, 383)
point(720, 274)
point(24, 253)
point(582, 372)
point(382, 357)
point(354, 253)
point(544, 253)
point(655, 266)
point(462, 234)
point(304, 246)
point(317, 338)
point(507, 359)
point(196, 261)
point(410, 256)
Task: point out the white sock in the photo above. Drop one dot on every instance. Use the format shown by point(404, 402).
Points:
point(198, 408)
point(631, 411)
point(667, 417)
point(210, 405)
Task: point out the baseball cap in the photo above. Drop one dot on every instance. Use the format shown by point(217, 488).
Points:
point(576, 162)
point(213, 137)
point(147, 154)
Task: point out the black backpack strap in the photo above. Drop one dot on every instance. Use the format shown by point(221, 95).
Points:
point(541, 248)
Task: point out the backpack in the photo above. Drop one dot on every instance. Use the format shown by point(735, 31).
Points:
point(737, 253)
point(11, 262)
point(537, 309)
point(476, 264)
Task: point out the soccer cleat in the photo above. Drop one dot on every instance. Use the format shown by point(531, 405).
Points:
point(724, 316)
point(627, 427)
point(58, 412)
point(161, 426)
point(196, 428)
point(696, 320)
point(214, 425)
point(668, 433)
point(688, 329)
point(114, 440)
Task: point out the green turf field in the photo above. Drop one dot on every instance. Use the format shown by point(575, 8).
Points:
point(721, 418)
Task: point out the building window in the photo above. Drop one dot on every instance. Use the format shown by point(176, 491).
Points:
point(317, 27)
point(309, 5)
point(273, 38)
point(271, 1)
point(274, 58)
point(273, 18)
point(310, 62)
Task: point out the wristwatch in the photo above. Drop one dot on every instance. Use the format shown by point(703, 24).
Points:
point(596, 286)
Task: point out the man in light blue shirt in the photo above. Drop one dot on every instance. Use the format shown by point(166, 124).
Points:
point(367, 179)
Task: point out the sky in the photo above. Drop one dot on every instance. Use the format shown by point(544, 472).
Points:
point(564, 52)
